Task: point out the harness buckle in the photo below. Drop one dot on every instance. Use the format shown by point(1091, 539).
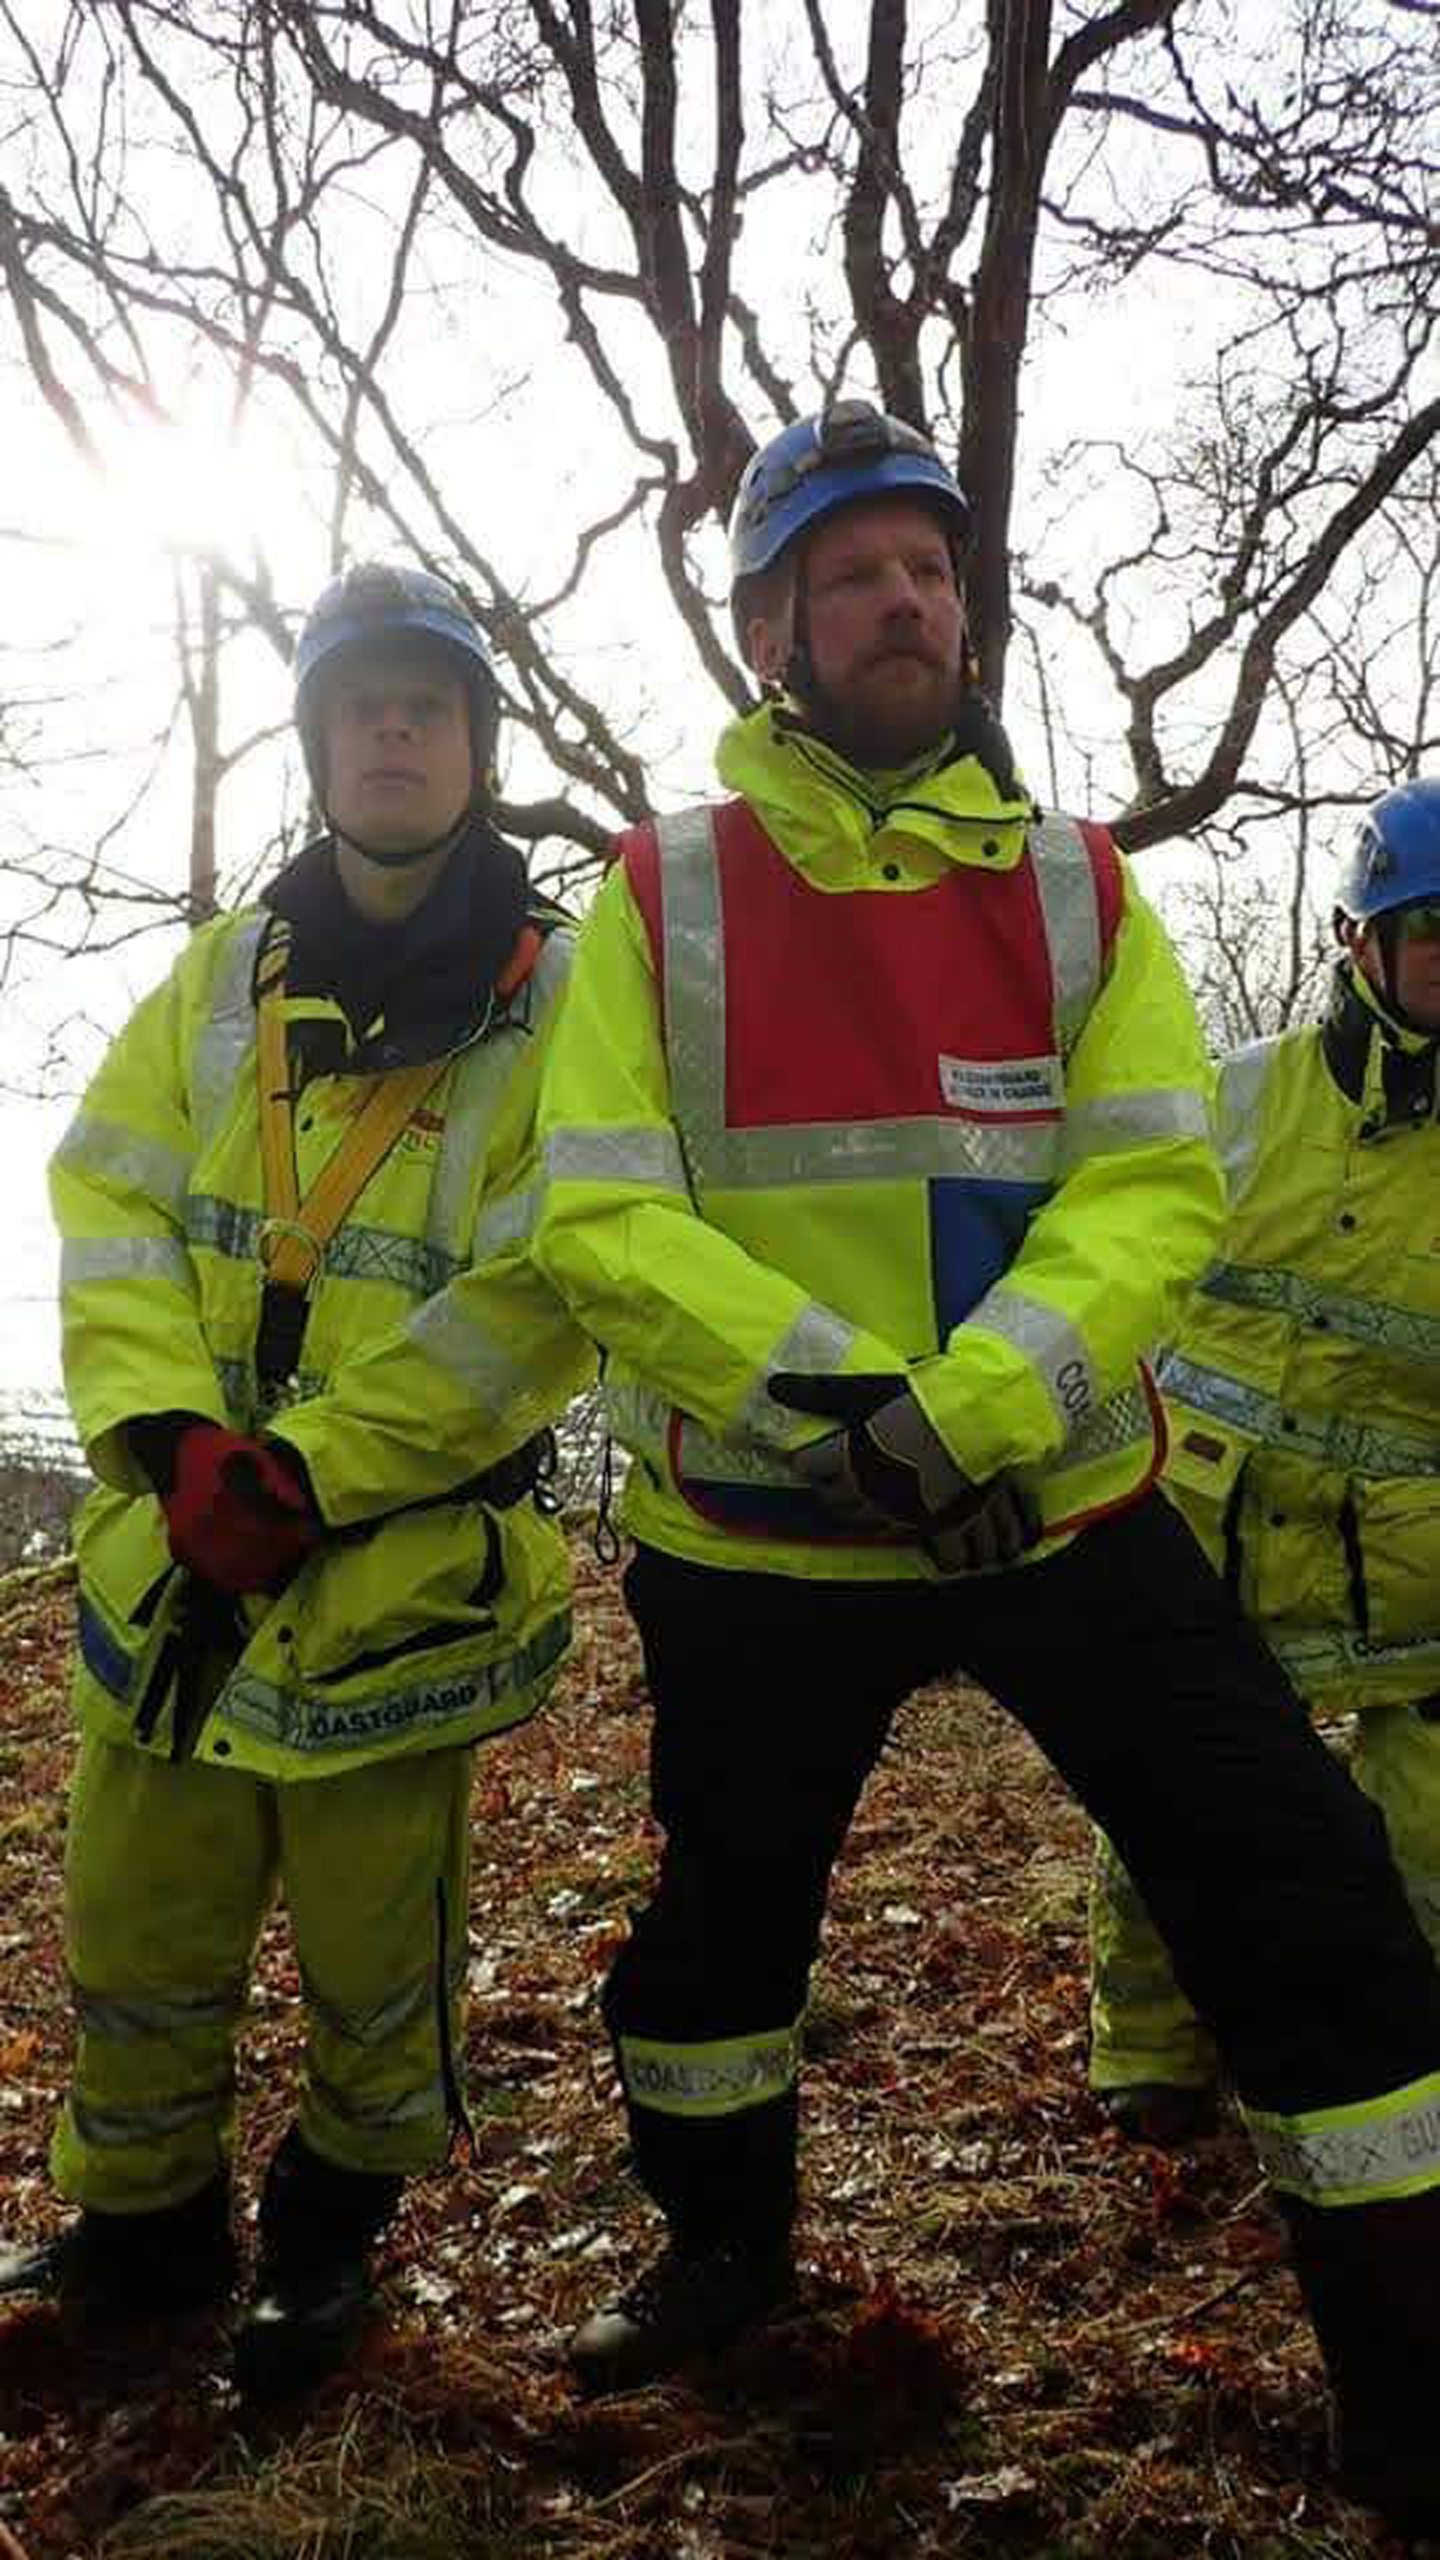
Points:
point(270, 1245)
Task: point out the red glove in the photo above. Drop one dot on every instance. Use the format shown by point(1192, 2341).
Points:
point(239, 1511)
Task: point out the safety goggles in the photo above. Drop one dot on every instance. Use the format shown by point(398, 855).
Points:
point(1419, 923)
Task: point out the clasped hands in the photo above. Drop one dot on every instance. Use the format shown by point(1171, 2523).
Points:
point(885, 1466)
point(239, 1511)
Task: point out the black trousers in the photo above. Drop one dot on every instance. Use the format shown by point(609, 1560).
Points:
point(1266, 1870)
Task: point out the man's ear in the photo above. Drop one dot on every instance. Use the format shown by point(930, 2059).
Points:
point(768, 643)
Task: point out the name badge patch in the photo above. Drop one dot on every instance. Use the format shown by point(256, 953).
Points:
point(1006, 1087)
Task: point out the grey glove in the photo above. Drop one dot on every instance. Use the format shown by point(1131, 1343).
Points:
point(891, 1465)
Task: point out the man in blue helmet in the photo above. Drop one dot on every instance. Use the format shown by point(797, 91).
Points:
point(1304, 1402)
point(877, 1152)
point(313, 1369)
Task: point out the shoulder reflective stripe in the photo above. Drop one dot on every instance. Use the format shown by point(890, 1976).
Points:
point(504, 1224)
point(1335, 1439)
point(129, 2018)
point(1051, 1344)
point(648, 1155)
point(694, 956)
point(356, 1253)
point(816, 1343)
point(87, 1258)
point(1122, 1120)
point(492, 1692)
point(478, 1079)
point(116, 2128)
point(1238, 1110)
point(124, 1157)
point(229, 1034)
point(453, 1339)
point(1066, 882)
point(719, 2079)
point(384, 2020)
point(874, 1151)
point(1293, 1293)
point(1346, 2155)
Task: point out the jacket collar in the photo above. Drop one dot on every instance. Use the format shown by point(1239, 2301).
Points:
point(404, 991)
point(1385, 1067)
point(839, 825)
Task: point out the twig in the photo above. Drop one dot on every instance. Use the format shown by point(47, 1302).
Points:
point(671, 2462)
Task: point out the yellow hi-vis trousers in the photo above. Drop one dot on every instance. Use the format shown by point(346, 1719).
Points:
point(170, 1871)
point(1142, 2027)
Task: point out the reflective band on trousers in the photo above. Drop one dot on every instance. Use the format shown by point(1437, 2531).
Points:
point(116, 2128)
point(1356, 2154)
point(132, 2017)
point(1334, 1438)
point(1293, 1293)
point(380, 2023)
point(426, 2105)
point(717, 2079)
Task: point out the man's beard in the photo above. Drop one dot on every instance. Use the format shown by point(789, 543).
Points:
point(880, 737)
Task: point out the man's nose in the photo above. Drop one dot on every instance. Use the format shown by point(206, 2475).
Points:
point(899, 594)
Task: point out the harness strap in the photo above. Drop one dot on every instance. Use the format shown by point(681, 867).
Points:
point(295, 1232)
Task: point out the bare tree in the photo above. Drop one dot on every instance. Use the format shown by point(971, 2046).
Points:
point(709, 226)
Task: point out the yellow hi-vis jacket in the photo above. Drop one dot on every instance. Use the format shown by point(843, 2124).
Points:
point(433, 1349)
point(820, 1251)
point(1304, 1386)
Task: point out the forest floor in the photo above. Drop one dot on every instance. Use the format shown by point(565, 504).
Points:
point(1015, 2335)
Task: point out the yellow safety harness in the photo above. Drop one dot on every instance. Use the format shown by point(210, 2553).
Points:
point(295, 1232)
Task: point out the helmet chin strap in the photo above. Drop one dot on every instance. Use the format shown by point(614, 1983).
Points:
point(401, 857)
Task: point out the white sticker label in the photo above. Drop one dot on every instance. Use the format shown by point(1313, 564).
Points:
point(1004, 1086)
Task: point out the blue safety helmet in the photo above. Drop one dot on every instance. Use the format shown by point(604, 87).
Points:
point(850, 451)
point(374, 602)
point(1396, 858)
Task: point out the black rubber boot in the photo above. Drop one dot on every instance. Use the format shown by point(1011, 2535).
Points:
point(106, 2268)
point(1162, 2112)
point(1370, 2275)
point(313, 2290)
point(694, 2300)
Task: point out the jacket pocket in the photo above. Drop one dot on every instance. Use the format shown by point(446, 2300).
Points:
point(129, 1595)
point(1203, 1477)
point(1397, 1525)
point(415, 1582)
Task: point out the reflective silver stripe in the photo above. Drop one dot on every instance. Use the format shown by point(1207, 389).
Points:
point(485, 1694)
point(1051, 1344)
point(816, 1342)
point(694, 970)
point(246, 1401)
point(917, 1149)
point(1332, 1653)
point(1122, 1120)
point(506, 1223)
point(115, 2128)
point(1238, 1110)
point(717, 2079)
point(1066, 882)
point(1123, 1421)
point(425, 2105)
point(476, 1092)
point(132, 2018)
point(650, 1155)
point(382, 2023)
point(356, 1253)
point(1334, 1439)
point(446, 1334)
point(1345, 2154)
point(1371, 1320)
point(125, 1158)
point(87, 1258)
point(228, 1037)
